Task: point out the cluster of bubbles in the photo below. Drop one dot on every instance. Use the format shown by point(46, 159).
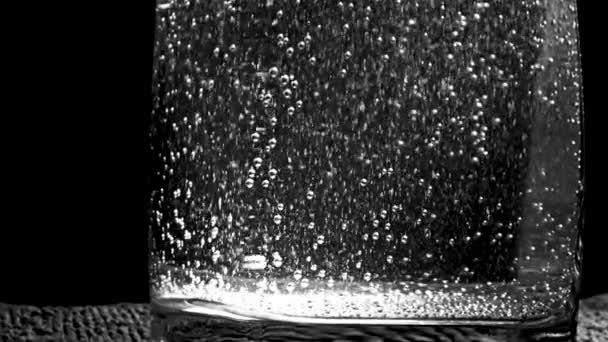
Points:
point(382, 141)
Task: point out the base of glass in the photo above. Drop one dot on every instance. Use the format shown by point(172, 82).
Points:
point(172, 323)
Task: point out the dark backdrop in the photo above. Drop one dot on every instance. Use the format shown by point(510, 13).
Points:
point(74, 195)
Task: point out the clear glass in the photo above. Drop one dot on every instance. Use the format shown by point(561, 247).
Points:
point(366, 170)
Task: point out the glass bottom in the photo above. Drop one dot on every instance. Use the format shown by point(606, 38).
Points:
point(183, 320)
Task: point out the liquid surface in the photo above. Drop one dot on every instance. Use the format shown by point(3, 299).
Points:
point(386, 159)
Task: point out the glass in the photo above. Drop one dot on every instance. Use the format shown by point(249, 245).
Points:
point(367, 170)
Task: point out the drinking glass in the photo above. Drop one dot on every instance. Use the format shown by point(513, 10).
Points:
point(366, 170)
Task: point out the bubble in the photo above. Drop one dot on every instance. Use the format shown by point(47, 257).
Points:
point(365, 236)
point(312, 60)
point(232, 48)
point(387, 226)
point(255, 137)
point(363, 182)
point(311, 225)
point(265, 183)
point(215, 256)
point(313, 267)
point(375, 235)
point(294, 84)
point(304, 283)
point(289, 52)
point(272, 142)
point(284, 80)
point(310, 195)
point(342, 73)
point(280, 206)
point(287, 93)
point(389, 237)
point(321, 274)
point(290, 110)
point(330, 283)
point(299, 104)
point(389, 259)
point(320, 239)
point(214, 232)
point(257, 162)
point(277, 261)
point(375, 223)
point(273, 72)
point(358, 265)
point(404, 238)
point(367, 276)
point(273, 121)
point(301, 45)
point(348, 54)
point(383, 214)
point(297, 274)
point(290, 287)
point(272, 173)
point(277, 219)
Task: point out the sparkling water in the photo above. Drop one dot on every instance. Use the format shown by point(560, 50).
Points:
point(366, 163)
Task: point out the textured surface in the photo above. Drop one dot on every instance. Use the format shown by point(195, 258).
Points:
point(129, 322)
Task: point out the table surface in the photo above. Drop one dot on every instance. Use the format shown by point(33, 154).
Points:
point(130, 322)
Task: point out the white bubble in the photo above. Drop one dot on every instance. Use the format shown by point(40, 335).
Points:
point(265, 183)
point(257, 162)
point(272, 173)
point(214, 232)
point(311, 225)
point(310, 194)
point(363, 182)
point(297, 274)
point(215, 256)
point(287, 93)
point(277, 219)
point(277, 260)
point(280, 207)
point(289, 51)
point(389, 259)
point(273, 72)
point(320, 239)
point(367, 276)
point(375, 235)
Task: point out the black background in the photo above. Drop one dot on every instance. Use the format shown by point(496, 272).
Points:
point(73, 225)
